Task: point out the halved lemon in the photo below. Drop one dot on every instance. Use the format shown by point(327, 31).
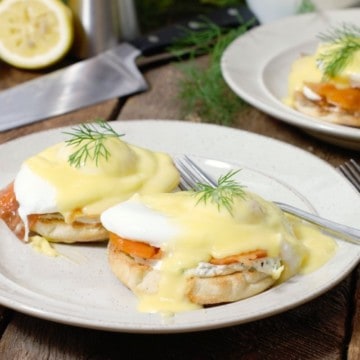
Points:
point(34, 33)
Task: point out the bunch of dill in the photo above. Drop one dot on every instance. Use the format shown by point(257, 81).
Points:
point(203, 93)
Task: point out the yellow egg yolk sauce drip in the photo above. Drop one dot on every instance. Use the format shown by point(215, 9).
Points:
point(43, 246)
point(94, 186)
point(211, 232)
point(321, 247)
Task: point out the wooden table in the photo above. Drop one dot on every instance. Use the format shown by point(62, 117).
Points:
point(325, 328)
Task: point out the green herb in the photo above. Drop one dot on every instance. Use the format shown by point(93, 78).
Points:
point(344, 41)
point(223, 193)
point(202, 91)
point(89, 141)
point(197, 42)
point(306, 6)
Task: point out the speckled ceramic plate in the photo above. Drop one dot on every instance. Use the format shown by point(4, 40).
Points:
point(257, 64)
point(78, 287)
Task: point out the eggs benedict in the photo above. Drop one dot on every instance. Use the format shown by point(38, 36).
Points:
point(61, 192)
point(326, 85)
point(183, 250)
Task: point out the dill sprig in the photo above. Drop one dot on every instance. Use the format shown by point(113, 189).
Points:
point(345, 41)
point(306, 6)
point(203, 92)
point(89, 141)
point(197, 42)
point(223, 193)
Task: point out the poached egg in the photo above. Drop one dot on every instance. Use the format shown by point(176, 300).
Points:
point(338, 93)
point(199, 239)
point(48, 183)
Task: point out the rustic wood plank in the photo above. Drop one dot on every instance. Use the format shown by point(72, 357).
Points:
point(354, 345)
point(5, 314)
point(312, 331)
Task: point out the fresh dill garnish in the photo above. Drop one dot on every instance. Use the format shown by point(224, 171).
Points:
point(344, 42)
point(89, 140)
point(306, 6)
point(203, 92)
point(223, 193)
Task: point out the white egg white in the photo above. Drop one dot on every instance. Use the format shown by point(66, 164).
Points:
point(34, 194)
point(311, 95)
point(134, 220)
point(355, 80)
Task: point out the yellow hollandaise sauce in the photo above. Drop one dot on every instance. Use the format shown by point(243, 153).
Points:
point(203, 231)
point(303, 70)
point(96, 185)
point(42, 246)
point(321, 247)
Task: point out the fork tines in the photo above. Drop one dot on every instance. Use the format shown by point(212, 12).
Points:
point(351, 170)
point(191, 174)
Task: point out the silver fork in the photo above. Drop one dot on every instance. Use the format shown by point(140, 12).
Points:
point(191, 174)
point(351, 170)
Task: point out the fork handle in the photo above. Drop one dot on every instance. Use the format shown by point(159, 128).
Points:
point(340, 231)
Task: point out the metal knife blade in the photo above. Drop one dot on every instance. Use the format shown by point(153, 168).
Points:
point(109, 75)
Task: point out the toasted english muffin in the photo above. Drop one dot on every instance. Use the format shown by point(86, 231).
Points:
point(143, 279)
point(325, 111)
point(55, 229)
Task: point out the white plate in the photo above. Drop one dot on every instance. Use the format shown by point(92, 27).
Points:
point(78, 288)
point(256, 67)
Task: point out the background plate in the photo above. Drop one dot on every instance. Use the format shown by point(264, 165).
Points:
point(257, 64)
point(78, 287)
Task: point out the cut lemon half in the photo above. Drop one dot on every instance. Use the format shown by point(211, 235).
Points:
point(34, 33)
